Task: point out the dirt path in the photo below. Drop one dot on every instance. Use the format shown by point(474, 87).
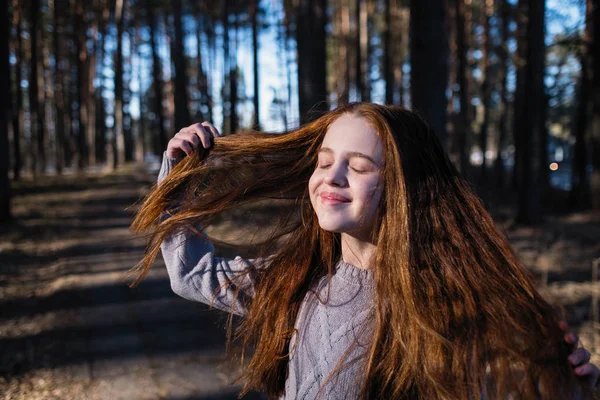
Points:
point(70, 327)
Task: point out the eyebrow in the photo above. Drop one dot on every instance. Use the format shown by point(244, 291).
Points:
point(349, 154)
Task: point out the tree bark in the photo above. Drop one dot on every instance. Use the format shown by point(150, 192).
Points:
point(533, 124)
point(310, 39)
point(504, 8)
point(90, 93)
point(233, 80)
point(486, 92)
point(119, 138)
point(80, 32)
point(594, 15)
point(35, 102)
point(58, 93)
point(99, 98)
point(157, 84)
point(17, 109)
point(463, 131)
point(182, 112)
point(5, 108)
point(388, 71)
point(518, 103)
point(255, 100)
point(429, 59)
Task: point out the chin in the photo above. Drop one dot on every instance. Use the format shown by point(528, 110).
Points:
point(336, 227)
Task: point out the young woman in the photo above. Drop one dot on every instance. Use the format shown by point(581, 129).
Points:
point(387, 280)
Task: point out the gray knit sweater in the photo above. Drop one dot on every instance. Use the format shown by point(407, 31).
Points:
point(334, 324)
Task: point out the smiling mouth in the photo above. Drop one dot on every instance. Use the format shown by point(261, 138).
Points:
point(333, 198)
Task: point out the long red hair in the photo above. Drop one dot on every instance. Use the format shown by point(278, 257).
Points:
point(456, 314)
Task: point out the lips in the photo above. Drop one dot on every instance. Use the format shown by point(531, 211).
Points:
point(332, 198)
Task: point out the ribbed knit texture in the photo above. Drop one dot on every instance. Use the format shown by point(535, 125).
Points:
point(333, 327)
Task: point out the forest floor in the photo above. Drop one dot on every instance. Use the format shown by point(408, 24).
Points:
point(71, 328)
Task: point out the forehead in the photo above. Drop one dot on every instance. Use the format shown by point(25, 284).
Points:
point(350, 133)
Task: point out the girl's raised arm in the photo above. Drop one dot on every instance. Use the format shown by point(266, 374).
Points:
point(194, 271)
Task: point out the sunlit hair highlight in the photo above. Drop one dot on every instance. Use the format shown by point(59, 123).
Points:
point(456, 315)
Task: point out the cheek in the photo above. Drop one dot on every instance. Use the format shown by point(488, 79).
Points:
point(312, 186)
point(372, 195)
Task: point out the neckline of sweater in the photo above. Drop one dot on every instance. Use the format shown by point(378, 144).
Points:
point(354, 275)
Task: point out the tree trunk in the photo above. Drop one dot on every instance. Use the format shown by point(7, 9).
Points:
point(80, 32)
point(388, 71)
point(127, 119)
point(182, 112)
point(463, 131)
point(343, 55)
point(157, 84)
point(90, 94)
point(119, 139)
point(36, 112)
point(504, 8)
point(100, 106)
point(211, 41)
point(58, 93)
point(17, 108)
point(310, 39)
point(233, 81)
point(530, 191)
point(253, 18)
point(518, 103)
point(486, 91)
point(429, 59)
point(5, 108)
point(594, 15)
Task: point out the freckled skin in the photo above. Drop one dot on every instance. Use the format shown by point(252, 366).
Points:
point(340, 170)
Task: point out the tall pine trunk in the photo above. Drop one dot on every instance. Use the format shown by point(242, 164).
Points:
point(518, 103)
point(256, 95)
point(58, 93)
point(119, 138)
point(99, 99)
point(35, 101)
point(594, 6)
point(182, 112)
point(80, 33)
point(5, 107)
point(310, 39)
point(429, 59)
point(533, 124)
point(486, 92)
point(463, 131)
point(388, 51)
point(17, 109)
point(504, 8)
point(157, 108)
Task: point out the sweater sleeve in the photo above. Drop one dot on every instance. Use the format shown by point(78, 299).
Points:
point(196, 274)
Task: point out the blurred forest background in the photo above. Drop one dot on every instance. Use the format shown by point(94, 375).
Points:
point(511, 87)
point(94, 89)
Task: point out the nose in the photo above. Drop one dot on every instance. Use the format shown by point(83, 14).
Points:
point(336, 175)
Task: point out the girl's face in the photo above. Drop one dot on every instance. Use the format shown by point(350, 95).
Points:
point(345, 188)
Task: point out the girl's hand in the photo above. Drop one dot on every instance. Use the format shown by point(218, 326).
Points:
point(580, 358)
point(187, 140)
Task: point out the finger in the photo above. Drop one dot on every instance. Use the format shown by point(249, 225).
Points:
point(215, 132)
point(590, 371)
point(192, 138)
point(572, 339)
point(563, 325)
point(203, 135)
point(579, 356)
point(186, 147)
